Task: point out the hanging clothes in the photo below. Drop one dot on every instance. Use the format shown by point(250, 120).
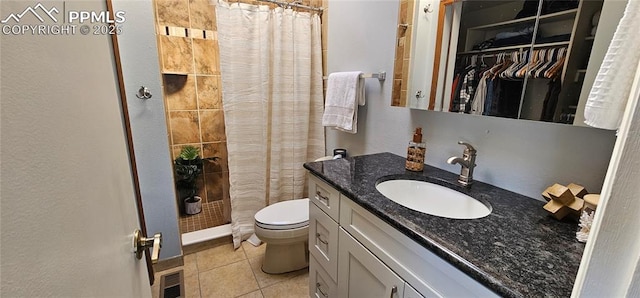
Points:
point(489, 98)
point(498, 90)
point(467, 91)
point(551, 99)
point(479, 98)
point(508, 100)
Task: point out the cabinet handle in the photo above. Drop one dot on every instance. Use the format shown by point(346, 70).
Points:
point(394, 290)
point(320, 239)
point(320, 290)
point(320, 197)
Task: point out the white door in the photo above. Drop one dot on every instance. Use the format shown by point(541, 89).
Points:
point(67, 203)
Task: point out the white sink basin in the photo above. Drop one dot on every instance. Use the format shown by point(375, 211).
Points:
point(433, 199)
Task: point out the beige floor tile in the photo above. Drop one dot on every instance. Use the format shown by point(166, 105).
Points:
point(218, 256)
point(192, 285)
point(297, 287)
point(190, 264)
point(228, 281)
point(253, 251)
point(256, 294)
point(265, 279)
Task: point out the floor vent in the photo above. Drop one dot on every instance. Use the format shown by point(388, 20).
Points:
point(172, 285)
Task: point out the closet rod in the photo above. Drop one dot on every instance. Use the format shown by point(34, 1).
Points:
point(293, 4)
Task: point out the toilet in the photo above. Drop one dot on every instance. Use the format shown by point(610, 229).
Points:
point(284, 227)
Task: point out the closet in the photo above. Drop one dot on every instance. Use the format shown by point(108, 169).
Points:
point(520, 59)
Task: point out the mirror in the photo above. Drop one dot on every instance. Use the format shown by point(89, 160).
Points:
point(520, 59)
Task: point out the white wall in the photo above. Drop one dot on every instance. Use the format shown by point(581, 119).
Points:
point(139, 55)
point(518, 155)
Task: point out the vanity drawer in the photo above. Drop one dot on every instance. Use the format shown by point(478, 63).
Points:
point(320, 284)
point(430, 275)
point(323, 240)
point(325, 197)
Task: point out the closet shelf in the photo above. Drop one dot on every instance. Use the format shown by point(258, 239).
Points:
point(509, 23)
point(560, 15)
point(516, 47)
point(551, 44)
point(489, 50)
point(556, 16)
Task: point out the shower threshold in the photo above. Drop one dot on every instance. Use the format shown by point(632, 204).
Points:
point(206, 235)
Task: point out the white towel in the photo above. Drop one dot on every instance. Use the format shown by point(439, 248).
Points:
point(608, 97)
point(345, 91)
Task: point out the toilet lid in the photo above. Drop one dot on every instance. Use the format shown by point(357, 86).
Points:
point(284, 215)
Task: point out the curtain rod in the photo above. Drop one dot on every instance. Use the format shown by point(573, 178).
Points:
point(293, 4)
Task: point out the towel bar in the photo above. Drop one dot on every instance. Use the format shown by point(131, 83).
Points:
point(381, 76)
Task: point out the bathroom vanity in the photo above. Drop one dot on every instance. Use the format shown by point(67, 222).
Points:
point(364, 245)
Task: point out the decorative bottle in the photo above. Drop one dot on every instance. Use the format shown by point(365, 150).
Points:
point(416, 152)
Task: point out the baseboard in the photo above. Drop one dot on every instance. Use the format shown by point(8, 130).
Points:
point(169, 263)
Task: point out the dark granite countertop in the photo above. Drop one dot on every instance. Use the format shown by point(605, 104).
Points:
point(516, 251)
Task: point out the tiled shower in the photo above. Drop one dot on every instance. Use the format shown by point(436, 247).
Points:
point(188, 51)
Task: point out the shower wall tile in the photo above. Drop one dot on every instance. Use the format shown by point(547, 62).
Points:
point(175, 149)
point(176, 54)
point(209, 94)
point(184, 127)
point(212, 122)
point(180, 92)
point(201, 185)
point(218, 149)
point(215, 188)
point(206, 56)
point(203, 14)
point(173, 13)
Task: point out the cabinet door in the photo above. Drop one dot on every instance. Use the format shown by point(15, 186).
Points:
point(410, 292)
point(323, 240)
point(362, 274)
point(320, 284)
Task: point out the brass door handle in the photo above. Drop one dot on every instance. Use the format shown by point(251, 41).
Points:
point(140, 243)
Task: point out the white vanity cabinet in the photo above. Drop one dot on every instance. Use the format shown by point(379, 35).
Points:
point(356, 254)
point(324, 210)
point(364, 275)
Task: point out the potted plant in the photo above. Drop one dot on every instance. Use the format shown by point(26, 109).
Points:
point(188, 167)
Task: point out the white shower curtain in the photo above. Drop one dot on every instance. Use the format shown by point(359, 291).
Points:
point(271, 68)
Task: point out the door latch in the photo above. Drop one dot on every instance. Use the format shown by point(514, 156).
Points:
point(140, 243)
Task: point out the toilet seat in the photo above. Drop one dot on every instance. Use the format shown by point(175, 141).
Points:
point(285, 215)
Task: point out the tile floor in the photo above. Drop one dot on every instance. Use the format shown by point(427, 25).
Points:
point(211, 216)
point(224, 272)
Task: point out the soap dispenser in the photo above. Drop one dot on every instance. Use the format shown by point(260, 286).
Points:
point(416, 152)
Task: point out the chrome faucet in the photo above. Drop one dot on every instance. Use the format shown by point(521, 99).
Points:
point(467, 161)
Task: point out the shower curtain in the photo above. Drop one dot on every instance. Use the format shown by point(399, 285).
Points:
point(271, 70)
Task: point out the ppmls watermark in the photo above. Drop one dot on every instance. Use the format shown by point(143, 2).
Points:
point(58, 19)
